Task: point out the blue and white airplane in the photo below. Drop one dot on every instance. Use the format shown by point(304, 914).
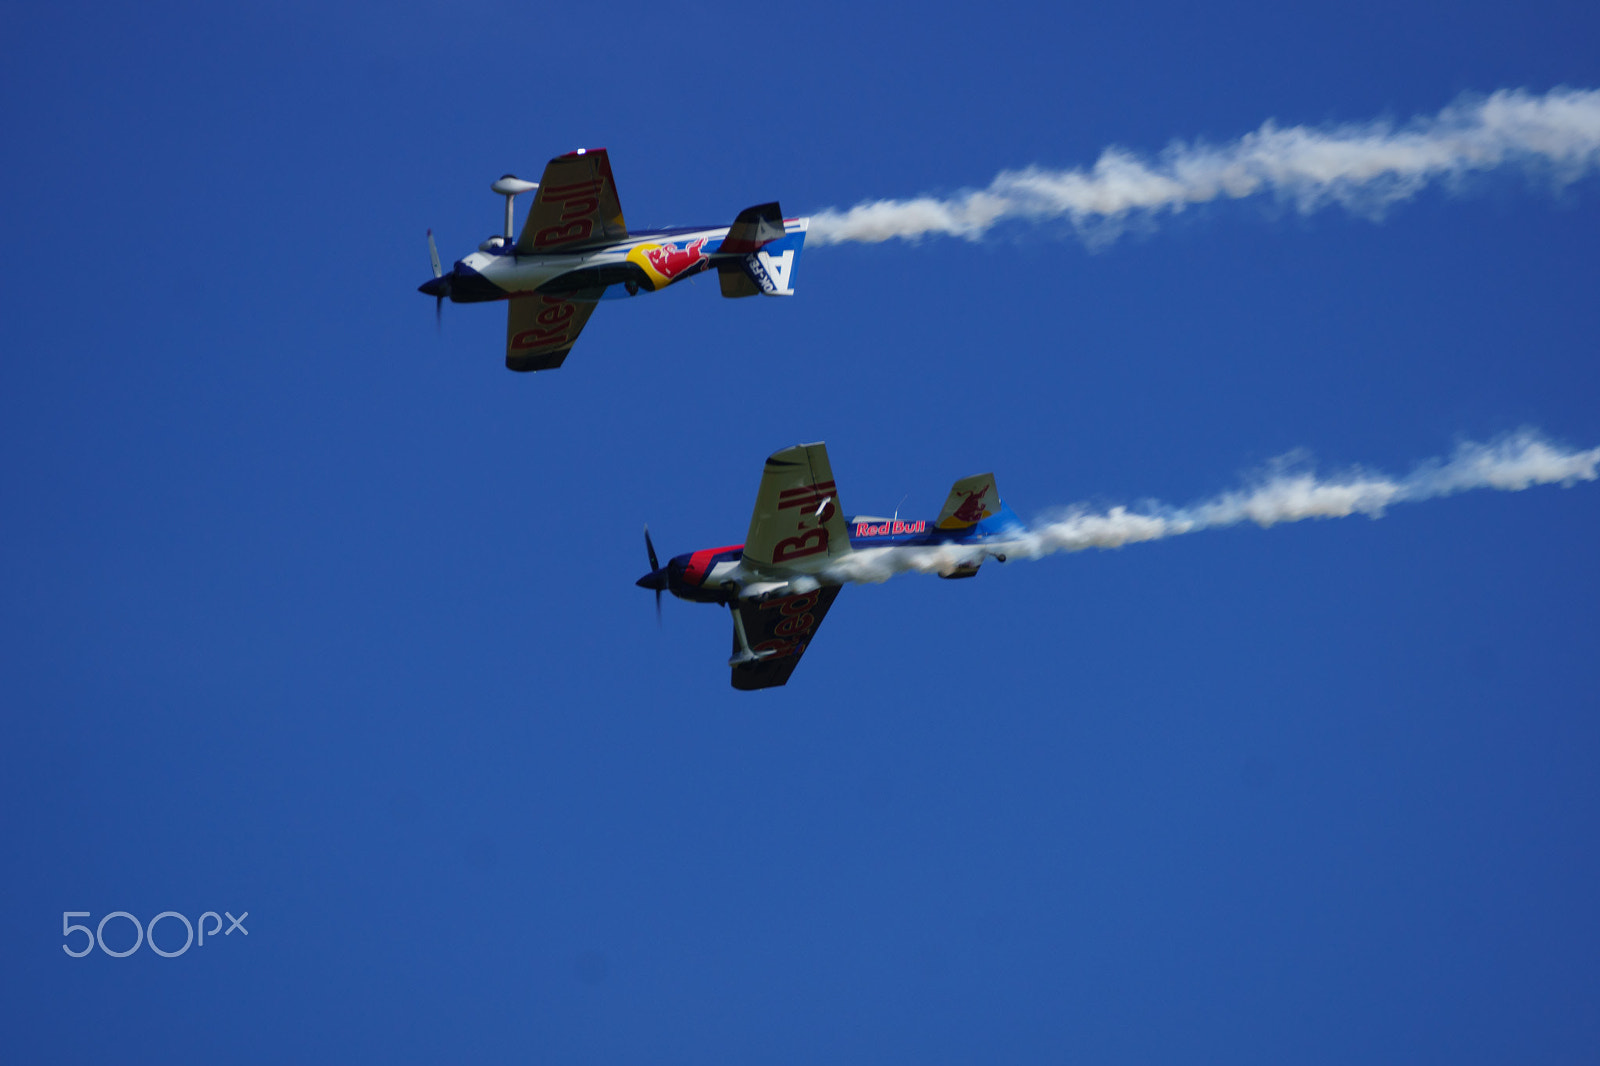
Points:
point(780, 582)
point(575, 250)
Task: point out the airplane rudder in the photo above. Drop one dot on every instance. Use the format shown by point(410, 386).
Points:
point(772, 267)
point(1004, 520)
point(971, 500)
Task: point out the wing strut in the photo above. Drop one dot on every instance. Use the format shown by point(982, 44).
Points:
point(742, 651)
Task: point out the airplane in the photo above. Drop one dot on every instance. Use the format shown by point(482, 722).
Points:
point(574, 250)
point(781, 581)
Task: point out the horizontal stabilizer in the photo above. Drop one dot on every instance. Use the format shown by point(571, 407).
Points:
point(736, 280)
point(754, 229)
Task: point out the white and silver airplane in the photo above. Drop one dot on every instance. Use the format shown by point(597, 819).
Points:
point(575, 250)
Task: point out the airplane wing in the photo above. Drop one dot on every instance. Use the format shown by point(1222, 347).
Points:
point(576, 204)
point(542, 329)
point(784, 627)
point(798, 524)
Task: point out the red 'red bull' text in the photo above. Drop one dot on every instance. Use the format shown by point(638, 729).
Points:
point(889, 528)
point(577, 205)
point(794, 627)
point(554, 319)
point(817, 505)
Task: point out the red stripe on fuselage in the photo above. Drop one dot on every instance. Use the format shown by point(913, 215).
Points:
point(700, 563)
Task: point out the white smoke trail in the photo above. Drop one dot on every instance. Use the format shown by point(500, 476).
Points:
point(1282, 494)
point(1363, 168)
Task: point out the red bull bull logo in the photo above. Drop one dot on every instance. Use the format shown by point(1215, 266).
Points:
point(671, 260)
point(972, 509)
point(666, 263)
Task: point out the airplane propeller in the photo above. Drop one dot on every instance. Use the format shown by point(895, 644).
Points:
point(439, 287)
point(655, 569)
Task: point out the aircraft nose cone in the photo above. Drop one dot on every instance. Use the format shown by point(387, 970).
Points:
point(655, 579)
point(436, 286)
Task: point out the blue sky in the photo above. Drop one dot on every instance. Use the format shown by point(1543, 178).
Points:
point(318, 613)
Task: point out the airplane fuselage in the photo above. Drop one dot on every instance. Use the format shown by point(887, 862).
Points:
point(721, 575)
point(647, 261)
point(575, 249)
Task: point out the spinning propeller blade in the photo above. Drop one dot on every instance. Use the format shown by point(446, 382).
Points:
point(443, 288)
point(650, 549)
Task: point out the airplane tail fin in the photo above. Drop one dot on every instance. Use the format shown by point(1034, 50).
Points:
point(760, 253)
point(971, 500)
point(974, 504)
point(1005, 521)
